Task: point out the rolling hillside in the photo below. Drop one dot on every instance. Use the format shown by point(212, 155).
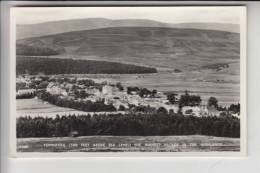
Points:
point(210, 26)
point(57, 27)
point(185, 49)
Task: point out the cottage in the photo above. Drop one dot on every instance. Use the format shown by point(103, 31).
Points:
point(55, 89)
point(25, 91)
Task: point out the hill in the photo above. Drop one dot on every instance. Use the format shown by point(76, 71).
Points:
point(183, 49)
point(56, 27)
point(210, 26)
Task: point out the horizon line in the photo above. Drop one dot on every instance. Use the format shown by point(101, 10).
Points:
point(74, 19)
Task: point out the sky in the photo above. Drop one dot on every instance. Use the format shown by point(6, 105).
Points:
point(33, 15)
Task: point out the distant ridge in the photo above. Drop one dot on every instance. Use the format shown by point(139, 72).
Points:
point(210, 26)
point(174, 48)
point(57, 27)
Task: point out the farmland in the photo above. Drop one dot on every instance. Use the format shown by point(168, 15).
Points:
point(222, 86)
point(36, 107)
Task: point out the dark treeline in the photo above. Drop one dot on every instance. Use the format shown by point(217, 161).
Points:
point(86, 106)
point(189, 100)
point(35, 65)
point(142, 92)
point(131, 124)
point(26, 96)
point(34, 51)
point(217, 66)
point(234, 108)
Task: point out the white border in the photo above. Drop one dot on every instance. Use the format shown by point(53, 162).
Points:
point(243, 138)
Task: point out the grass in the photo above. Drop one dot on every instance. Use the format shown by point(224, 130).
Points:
point(37, 107)
point(194, 143)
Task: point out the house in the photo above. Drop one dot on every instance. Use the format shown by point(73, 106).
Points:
point(55, 89)
point(236, 115)
point(26, 81)
point(212, 111)
point(118, 103)
point(191, 110)
point(134, 100)
point(25, 91)
point(175, 108)
point(199, 111)
point(109, 90)
point(93, 91)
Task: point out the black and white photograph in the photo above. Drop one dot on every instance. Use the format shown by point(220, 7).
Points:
point(111, 80)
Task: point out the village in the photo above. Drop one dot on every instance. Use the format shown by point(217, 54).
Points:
point(122, 98)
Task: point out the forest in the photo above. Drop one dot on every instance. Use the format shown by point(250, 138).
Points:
point(86, 106)
point(36, 65)
point(22, 49)
point(131, 124)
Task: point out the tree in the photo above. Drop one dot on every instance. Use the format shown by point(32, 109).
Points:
point(172, 98)
point(144, 92)
point(154, 92)
point(162, 110)
point(121, 108)
point(132, 89)
point(235, 108)
point(83, 94)
point(213, 102)
point(189, 100)
point(119, 86)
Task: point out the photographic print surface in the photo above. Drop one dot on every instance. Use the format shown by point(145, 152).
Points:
point(129, 79)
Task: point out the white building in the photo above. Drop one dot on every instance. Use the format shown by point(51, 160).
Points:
point(55, 89)
point(199, 111)
point(93, 91)
point(26, 80)
point(25, 91)
point(191, 110)
point(134, 100)
point(109, 90)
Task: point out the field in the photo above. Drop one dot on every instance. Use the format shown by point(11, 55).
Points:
point(36, 107)
point(193, 143)
point(224, 87)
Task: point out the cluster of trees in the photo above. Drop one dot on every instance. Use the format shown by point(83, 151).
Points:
point(172, 98)
point(34, 51)
point(119, 86)
point(217, 66)
point(235, 108)
point(142, 92)
point(193, 100)
point(131, 124)
point(20, 85)
point(86, 82)
point(185, 99)
point(189, 100)
point(213, 102)
point(26, 95)
point(35, 65)
point(142, 108)
point(130, 90)
point(80, 94)
point(86, 106)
